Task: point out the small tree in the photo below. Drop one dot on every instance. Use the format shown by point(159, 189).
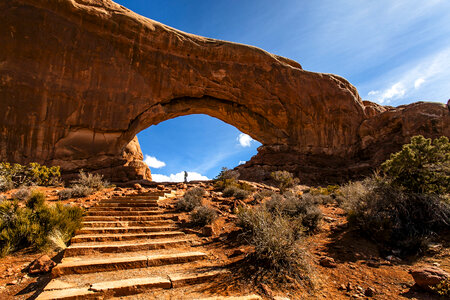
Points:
point(284, 179)
point(422, 166)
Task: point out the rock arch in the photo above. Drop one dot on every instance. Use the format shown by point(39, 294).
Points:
point(80, 78)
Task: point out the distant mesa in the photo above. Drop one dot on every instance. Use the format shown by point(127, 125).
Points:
point(79, 79)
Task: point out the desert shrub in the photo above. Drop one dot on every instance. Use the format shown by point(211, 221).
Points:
point(226, 178)
point(33, 173)
point(6, 184)
point(284, 179)
point(191, 199)
point(442, 288)
point(36, 199)
point(203, 215)
point(394, 218)
point(93, 181)
point(422, 166)
point(277, 243)
point(258, 197)
point(22, 193)
point(35, 224)
point(235, 191)
point(78, 191)
point(300, 210)
point(65, 194)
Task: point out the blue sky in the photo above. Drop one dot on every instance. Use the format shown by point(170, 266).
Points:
point(394, 51)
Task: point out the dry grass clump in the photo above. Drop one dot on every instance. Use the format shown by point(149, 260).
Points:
point(22, 193)
point(298, 209)
point(278, 243)
point(203, 215)
point(191, 199)
point(236, 192)
point(85, 185)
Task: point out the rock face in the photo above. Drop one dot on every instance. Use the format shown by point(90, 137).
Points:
point(80, 78)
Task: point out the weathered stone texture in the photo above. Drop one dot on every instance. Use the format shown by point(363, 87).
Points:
point(79, 79)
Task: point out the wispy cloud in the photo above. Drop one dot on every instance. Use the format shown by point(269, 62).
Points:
point(396, 91)
point(244, 140)
point(153, 162)
point(241, 162)
point(434, 70)
point(178, 177)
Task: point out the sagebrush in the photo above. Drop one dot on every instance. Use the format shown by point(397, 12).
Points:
point(203, 215)
point(192, 198)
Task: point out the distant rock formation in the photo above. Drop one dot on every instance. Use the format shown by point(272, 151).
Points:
point(80, 78)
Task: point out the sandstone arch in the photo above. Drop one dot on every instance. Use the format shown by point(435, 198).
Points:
point(79, 79)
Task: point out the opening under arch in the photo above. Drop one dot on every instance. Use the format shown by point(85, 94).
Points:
point(196, 143)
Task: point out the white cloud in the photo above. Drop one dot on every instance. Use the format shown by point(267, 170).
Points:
point(394, 92)
point(244, 139)
point(418, 83)
point(241, 162)
point(153, 162)
point(178, 177)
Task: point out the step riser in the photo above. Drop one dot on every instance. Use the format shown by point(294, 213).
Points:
point(123, 213)
point(123, 238)
point(124, 230)
point(126, 223)
point(126, 218)
point(130, 201)
point(135, 208)
point(60, 270)
point(127, 204)
point(70, 252)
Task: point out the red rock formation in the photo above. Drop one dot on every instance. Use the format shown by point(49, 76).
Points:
point(79, 79)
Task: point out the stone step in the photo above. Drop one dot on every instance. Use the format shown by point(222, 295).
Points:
point(69, 294)
point(99, 224)
point(247, 297)
point(137, 197)
point(129, 200)
point(124, 237)
point(128, 218)
point(124, 213)
point(89, 265)
point(106, 230)
point(129, 286)
point(126, 204)
point(126, 209)
point(83, 249)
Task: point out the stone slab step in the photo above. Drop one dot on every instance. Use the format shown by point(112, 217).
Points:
point(126, 204)
point(129, 200)
point(134, 208)
point(131, 286)
point(247, 297)
point(183, 279)
point(87, 230)
point(69, 294)
point(120, 263)
point(129, 218)
point(80, 249)
point(137, 197)
point(85, 238)
point(124, 213)
point(98, 224)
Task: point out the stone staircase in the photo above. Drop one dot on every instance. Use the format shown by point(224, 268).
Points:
point(129, 245)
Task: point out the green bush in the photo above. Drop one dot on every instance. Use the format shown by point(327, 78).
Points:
point(203, 215)
point(226, 178)
point(35, 224)
point(284, 179)
point(423, 166)
point(33, 173)
point(393, 217)
point(191, 199)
